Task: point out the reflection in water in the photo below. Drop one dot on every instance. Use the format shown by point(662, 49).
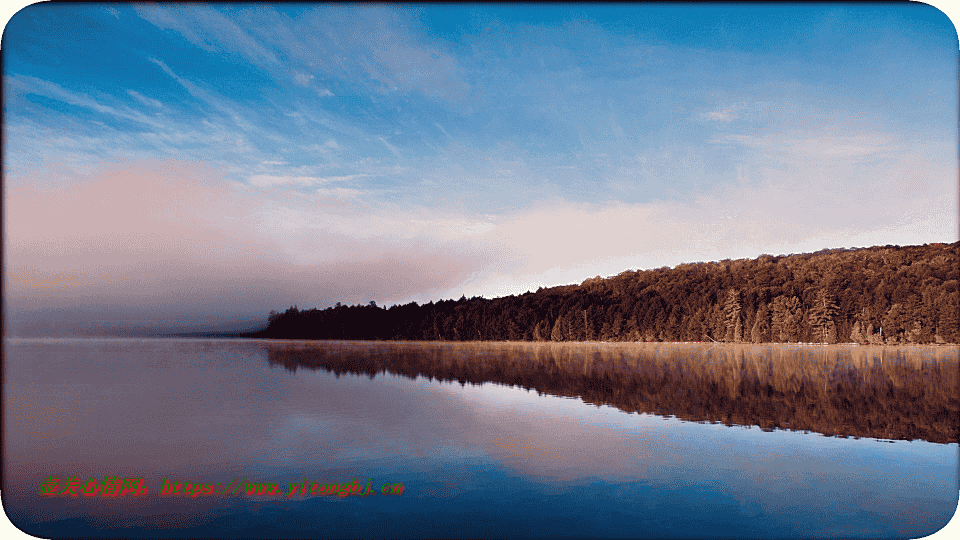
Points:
point(901, 393)
point(481, 460)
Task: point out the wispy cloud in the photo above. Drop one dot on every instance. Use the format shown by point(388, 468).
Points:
point(404, 62)
point(725, 114)
point(339, 193)
point(33, 85)
point(303, 79)
point(392, 56)
point(270, 180)
point(343, 178)
point(393, 149)
point(274, 180)
point(206, 96)
point(810, 145)
point(145, 100)
point(206, 27)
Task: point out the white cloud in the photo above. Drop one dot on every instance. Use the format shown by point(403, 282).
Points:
point(821, 148)
point(206, 27)
point(33, 85)
point(145, 100)
point(725, 114)
point(344, 178)
point(206, 96)
point(265, 180)
point(303, 79)
point(339, 193)
point(390, 147)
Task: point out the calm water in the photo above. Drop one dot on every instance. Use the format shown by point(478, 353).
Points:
point(498, 440)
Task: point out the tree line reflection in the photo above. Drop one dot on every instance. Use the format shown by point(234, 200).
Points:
point(884, 393)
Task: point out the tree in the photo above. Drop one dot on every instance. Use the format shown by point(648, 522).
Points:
point(786, 317)
point(719, 329)
point(874, 339)
point(557, 334)
point(632, 329)
point(893, 323)
point(761, 326)
point(537, 336)
point(856, 335)
point(733, 311)
point(948, 330)
point(616, 331)
point(822, 315)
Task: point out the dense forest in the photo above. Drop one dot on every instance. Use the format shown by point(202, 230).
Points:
point(877, 295)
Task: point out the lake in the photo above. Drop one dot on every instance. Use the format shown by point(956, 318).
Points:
point(478, 439)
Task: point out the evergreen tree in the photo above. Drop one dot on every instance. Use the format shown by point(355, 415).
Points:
point(948, 329)
point(786, 317)
point(557, 334)
point(761, 326)
point(822, 315)
point(719, 332)
point(893, 323)
point(733, 312)
point(633, 330)
point(537, 336)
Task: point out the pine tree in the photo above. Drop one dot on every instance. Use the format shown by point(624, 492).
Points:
point(822, 314)
point(786, 316)
point(733, 309)
point(719, 328)
point(557, 334)
point(893, 322)
point(948, 329)
point(832, 334)
point(761, 326)
point(537, 336)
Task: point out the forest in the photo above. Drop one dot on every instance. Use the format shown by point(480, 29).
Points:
point(879, 295)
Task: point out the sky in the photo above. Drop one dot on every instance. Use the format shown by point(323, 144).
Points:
point(215, 162)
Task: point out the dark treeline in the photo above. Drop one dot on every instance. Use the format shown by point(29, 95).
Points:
point(874, 392)
point(878, 295)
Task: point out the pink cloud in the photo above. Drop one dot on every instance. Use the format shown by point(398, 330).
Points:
point(176, 236)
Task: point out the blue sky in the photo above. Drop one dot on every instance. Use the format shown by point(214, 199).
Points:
point(240, 158)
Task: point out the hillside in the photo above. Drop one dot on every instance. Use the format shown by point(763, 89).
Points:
point(888, 294)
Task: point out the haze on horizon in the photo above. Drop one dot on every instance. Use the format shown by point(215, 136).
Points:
point(204, 164)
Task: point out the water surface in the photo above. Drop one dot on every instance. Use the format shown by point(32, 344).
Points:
point(487, 439)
